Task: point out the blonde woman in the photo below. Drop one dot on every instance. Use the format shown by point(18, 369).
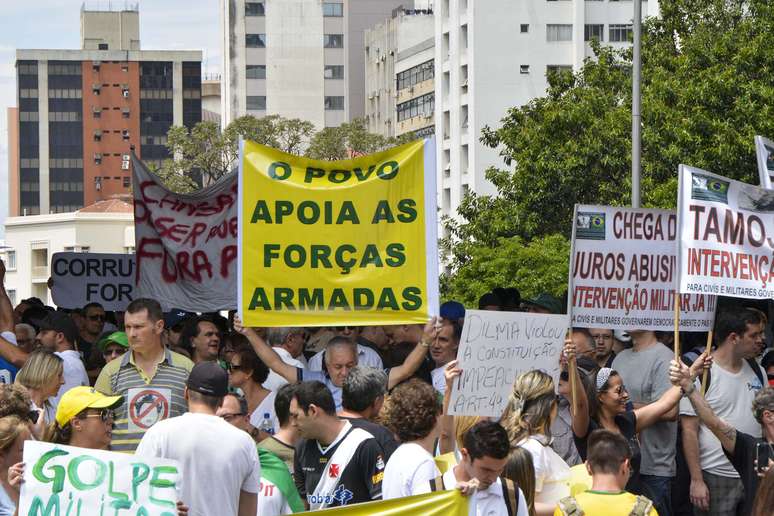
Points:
point(13, 432)
point(531, 409)
point(521, 472)
point(42, 375)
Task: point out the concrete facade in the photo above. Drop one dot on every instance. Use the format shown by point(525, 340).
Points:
point(107, 227)
point(297, 58)
point(492, 55)
point(81, 111)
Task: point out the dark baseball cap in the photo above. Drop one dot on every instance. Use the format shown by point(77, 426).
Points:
point(175, 317)
point(452, 310)
point(208, 378)
point(60, 323)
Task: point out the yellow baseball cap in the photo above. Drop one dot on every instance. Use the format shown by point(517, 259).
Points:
point(79, 398)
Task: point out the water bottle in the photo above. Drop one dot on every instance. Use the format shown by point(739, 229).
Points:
point(267, 425)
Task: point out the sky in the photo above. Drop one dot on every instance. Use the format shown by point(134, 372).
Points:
point(164, 25)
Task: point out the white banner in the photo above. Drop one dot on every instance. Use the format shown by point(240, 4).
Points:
point(62, 479)
point(726, 233)
point(495, 348)
point(186, 244)
point(622, 275)
point(764, 150)
point(82, 278)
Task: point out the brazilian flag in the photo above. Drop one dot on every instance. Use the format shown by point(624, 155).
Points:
point(706, 188)
point(590, 226)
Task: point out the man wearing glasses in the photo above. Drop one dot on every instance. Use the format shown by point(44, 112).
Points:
point(603, 346)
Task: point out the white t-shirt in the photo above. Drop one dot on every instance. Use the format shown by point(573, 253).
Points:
point(488, 502)
point(274, 381)
point(74, 374)
point(409, 467)
point(218, 460)
point(551, 472)
point(271, 501)
point(266, 407)
point(366, 357)
point(730, 396)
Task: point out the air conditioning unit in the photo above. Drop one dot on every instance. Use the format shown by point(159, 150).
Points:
point(98, 183)
point(95, 65)
point(96, 87)
point(126, 157)
point(124, 165)
point(125, 93)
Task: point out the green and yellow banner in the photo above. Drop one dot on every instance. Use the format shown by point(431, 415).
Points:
point(331, 243)
point(439, 503)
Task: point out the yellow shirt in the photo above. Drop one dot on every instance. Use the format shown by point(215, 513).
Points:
point(594, 503)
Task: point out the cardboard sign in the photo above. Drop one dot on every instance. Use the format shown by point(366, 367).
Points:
point(495, 348)
point(82, 278)
point(726, 232)
point(623, 271)
point(62, 479)
point(349, 242)
point(185, 243)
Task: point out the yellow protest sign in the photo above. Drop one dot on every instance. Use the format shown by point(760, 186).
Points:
point(326, 243)
point(439, 503)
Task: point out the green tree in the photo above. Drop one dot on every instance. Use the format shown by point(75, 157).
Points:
point(707, 89)
point(207, 151)
point(348, 140)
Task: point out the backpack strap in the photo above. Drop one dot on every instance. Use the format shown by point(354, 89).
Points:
point(642, 506)
point(510, 496)
point(757, 370)
point(569, 506)
point(436, 484)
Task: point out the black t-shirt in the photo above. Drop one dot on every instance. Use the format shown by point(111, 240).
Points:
point(743, 461)
point(386, 439)
point(360, 480)
point(627, 424)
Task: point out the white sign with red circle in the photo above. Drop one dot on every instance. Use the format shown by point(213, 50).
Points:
point(147, 406)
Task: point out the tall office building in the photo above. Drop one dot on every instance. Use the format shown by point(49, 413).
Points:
point(492, 55)
point(297, 58)
point(80, 111)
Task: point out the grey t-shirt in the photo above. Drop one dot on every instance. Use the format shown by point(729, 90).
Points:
point(646, 377)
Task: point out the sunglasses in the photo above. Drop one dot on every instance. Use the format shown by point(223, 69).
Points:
point(229, 417)
point(105, 415)
point(96, 317)
point(233, 367)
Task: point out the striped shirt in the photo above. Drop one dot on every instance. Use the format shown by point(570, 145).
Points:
point(146, 400)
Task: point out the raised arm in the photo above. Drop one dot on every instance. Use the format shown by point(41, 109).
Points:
point(446, 442)
point(654, 412)
point(580, 412)
point(414, 359)
point(6, 308)
point(267, 355)
point(726, 434)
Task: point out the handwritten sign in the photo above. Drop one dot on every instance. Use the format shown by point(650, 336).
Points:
point(70, 480)
point(83, 278)
point(185, 243)
point(623, 267)
point(495, 348)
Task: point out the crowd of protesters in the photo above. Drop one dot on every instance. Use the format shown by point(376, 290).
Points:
point(274, 421)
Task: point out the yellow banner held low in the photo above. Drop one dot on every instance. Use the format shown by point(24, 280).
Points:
point(439, 503)
point(331, 243)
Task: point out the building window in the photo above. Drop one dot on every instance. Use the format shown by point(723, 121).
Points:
point(255, 9)
point(334, 71)
point(102, 46)
point(594, 31)
point(558, 69)
point(255, 40)
point(256, 103)
point(417, 74)
point(333, 9)
point(559, 32)
point(333, 40)
point(524, 69)
point(620, 32)
point(421, 106)
point(334, 103)
point(10, 260)
point(524, 28)
point(256, 71)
